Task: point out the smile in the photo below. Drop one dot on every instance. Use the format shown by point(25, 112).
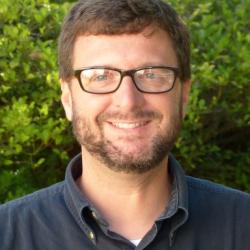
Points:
point(129, 125)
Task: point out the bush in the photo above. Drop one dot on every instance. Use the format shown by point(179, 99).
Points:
point(215, 141)
point(35, 138)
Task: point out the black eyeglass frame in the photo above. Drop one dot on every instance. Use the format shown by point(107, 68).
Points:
point(131, 73)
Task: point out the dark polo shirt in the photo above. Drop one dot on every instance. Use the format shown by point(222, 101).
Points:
point(201, 215)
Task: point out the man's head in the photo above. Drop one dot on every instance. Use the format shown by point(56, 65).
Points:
point(112, 17)
point(140, 51)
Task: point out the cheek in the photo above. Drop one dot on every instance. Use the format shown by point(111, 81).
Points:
point(89, 105)
point(169, 105)
point(164, 103)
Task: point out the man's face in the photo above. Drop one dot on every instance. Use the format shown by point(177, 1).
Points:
point(127, 130)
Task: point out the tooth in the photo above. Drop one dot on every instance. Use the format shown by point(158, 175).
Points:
point(127, 125)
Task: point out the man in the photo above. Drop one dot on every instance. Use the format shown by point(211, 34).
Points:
point(125, 80)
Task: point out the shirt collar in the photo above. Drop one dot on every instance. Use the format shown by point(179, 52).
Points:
point(180, 203)
point(74, 199)
point(180, 183)
point(177, 208)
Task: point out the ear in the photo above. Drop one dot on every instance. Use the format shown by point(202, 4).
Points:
point(186, 86)
point(66, 99)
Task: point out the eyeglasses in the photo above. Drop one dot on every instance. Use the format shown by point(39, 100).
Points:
point(104, 80)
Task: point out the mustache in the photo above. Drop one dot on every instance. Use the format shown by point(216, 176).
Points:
point(134, 115)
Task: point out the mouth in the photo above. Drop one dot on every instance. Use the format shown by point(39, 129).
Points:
point(128, 125)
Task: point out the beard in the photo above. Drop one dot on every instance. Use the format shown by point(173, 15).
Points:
point(117, 159)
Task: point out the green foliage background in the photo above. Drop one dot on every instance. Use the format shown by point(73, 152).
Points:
point(36, 140)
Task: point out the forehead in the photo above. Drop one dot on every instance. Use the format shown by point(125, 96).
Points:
point(147, 48)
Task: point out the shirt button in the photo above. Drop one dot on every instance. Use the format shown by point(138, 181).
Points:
point(91, 236)
point(94, 215)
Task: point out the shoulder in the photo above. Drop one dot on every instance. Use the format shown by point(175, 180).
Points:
point(218, 212)
point(209, 187)
point(33, 202)
point(40, 220)
point(34, 211)
point(217, 197)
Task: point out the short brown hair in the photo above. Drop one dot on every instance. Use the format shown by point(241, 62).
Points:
point(111, 17)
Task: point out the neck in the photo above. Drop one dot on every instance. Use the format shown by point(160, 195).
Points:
point(129, 202)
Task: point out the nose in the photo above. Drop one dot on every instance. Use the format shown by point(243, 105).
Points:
point(127, 96)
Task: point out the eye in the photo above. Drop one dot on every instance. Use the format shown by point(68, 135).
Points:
point(100, 77)
point(150, 75)
point(147, 74)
